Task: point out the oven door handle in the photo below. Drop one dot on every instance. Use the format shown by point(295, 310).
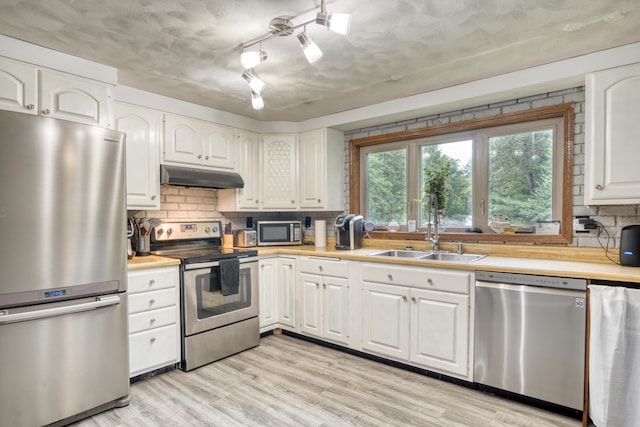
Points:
point(40, 313)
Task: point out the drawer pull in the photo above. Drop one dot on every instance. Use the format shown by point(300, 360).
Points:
point(153, 339)
point(429, 281)
point(390, 276)
point(320, 267)
point(152, 301)
point(152, 282)
point(152, 321)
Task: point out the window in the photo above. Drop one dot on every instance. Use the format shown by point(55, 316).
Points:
point(514, 169)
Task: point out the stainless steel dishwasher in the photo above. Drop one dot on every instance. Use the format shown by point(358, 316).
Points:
point(530, 336)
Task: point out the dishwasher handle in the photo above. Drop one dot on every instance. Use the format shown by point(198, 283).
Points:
point(36, 313)
point(530, 289)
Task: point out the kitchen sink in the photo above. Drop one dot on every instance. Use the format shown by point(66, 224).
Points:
point(427, 255)
point(401, 253)
point(452, 257)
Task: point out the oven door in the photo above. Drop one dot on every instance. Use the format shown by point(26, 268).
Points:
point(206, 305)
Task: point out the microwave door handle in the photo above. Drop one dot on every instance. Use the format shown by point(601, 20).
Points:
point(36, 313)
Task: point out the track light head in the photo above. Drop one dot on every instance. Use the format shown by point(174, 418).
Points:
point(252, 58)
point(254, 81)
point(256, 101)
point(311, 50)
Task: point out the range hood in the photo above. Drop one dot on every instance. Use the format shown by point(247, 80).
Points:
point(190, 177)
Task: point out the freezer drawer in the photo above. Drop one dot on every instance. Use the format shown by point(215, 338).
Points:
point(59, 365)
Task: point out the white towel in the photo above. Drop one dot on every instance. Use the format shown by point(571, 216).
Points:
point(614, 356)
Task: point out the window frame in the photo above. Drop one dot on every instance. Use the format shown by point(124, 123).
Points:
point(566, 138)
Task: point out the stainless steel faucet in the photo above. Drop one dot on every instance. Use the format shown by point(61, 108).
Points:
point(432, 227)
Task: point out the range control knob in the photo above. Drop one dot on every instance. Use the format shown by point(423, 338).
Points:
point(207, 229)
point(215, 229)
point(159, 232)
point(169, 232)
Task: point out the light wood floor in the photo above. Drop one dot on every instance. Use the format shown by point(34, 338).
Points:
point(290, 382)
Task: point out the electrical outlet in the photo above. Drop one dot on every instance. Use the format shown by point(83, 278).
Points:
point(583, 224)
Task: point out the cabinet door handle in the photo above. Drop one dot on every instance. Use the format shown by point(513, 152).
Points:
point(293, 202)
point(413, 299)
point(404, 297)
point(317, 285)
point(324, 285)
point(598, 187)
point(199, 156)
point(46, 111)
point(206, 157)
point(30, 107)
point(153, 197)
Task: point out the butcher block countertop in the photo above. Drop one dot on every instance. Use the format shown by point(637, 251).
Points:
point(151, 261)
point(585, 263)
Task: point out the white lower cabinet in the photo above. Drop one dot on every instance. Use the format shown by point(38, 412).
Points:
point(276, 278)
point(324, 298)
point(154, 325)
point(418, 315)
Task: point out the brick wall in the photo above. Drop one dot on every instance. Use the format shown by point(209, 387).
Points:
point(187, 204)
point(613, 218)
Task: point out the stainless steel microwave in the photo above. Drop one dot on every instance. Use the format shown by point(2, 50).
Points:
point(279, 233)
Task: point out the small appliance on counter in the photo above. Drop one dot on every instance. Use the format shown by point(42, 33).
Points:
point(244, 238)
point(348, 230)
point(630, 246)
point(279, 233)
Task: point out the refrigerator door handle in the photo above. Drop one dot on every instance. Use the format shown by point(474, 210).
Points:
point(35, 314)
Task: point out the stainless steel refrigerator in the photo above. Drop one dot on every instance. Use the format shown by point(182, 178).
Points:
point(63, 271)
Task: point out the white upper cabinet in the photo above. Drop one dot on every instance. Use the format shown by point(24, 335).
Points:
point(321, 166)
point(195, 142)
point(279, 161)
point(218, 143)
point(248, 166)
point(71, 98)
point(18, 86)
point(29, 89)
point(294, 172)
point(143, 128)
point(182, 140)
point(612, 150)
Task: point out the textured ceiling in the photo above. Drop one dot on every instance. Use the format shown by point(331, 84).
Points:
point(189, 49)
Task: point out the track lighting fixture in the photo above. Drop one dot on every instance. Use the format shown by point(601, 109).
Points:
point(256, 101)
point(252, 58)
point(311, 50)
point(254, 81)
point(339, 23)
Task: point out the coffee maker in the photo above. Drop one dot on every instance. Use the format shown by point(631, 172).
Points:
point(348, 229)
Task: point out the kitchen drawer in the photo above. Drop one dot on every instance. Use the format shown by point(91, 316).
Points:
point(426, 278)
point(152, 319)
point(152, 300)
point(326, 267)
point(153, 349)
point(152, 279)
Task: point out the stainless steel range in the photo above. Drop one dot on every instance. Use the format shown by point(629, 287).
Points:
point(218, 291)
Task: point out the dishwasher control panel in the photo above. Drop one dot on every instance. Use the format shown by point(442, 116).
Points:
point(532, 280)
